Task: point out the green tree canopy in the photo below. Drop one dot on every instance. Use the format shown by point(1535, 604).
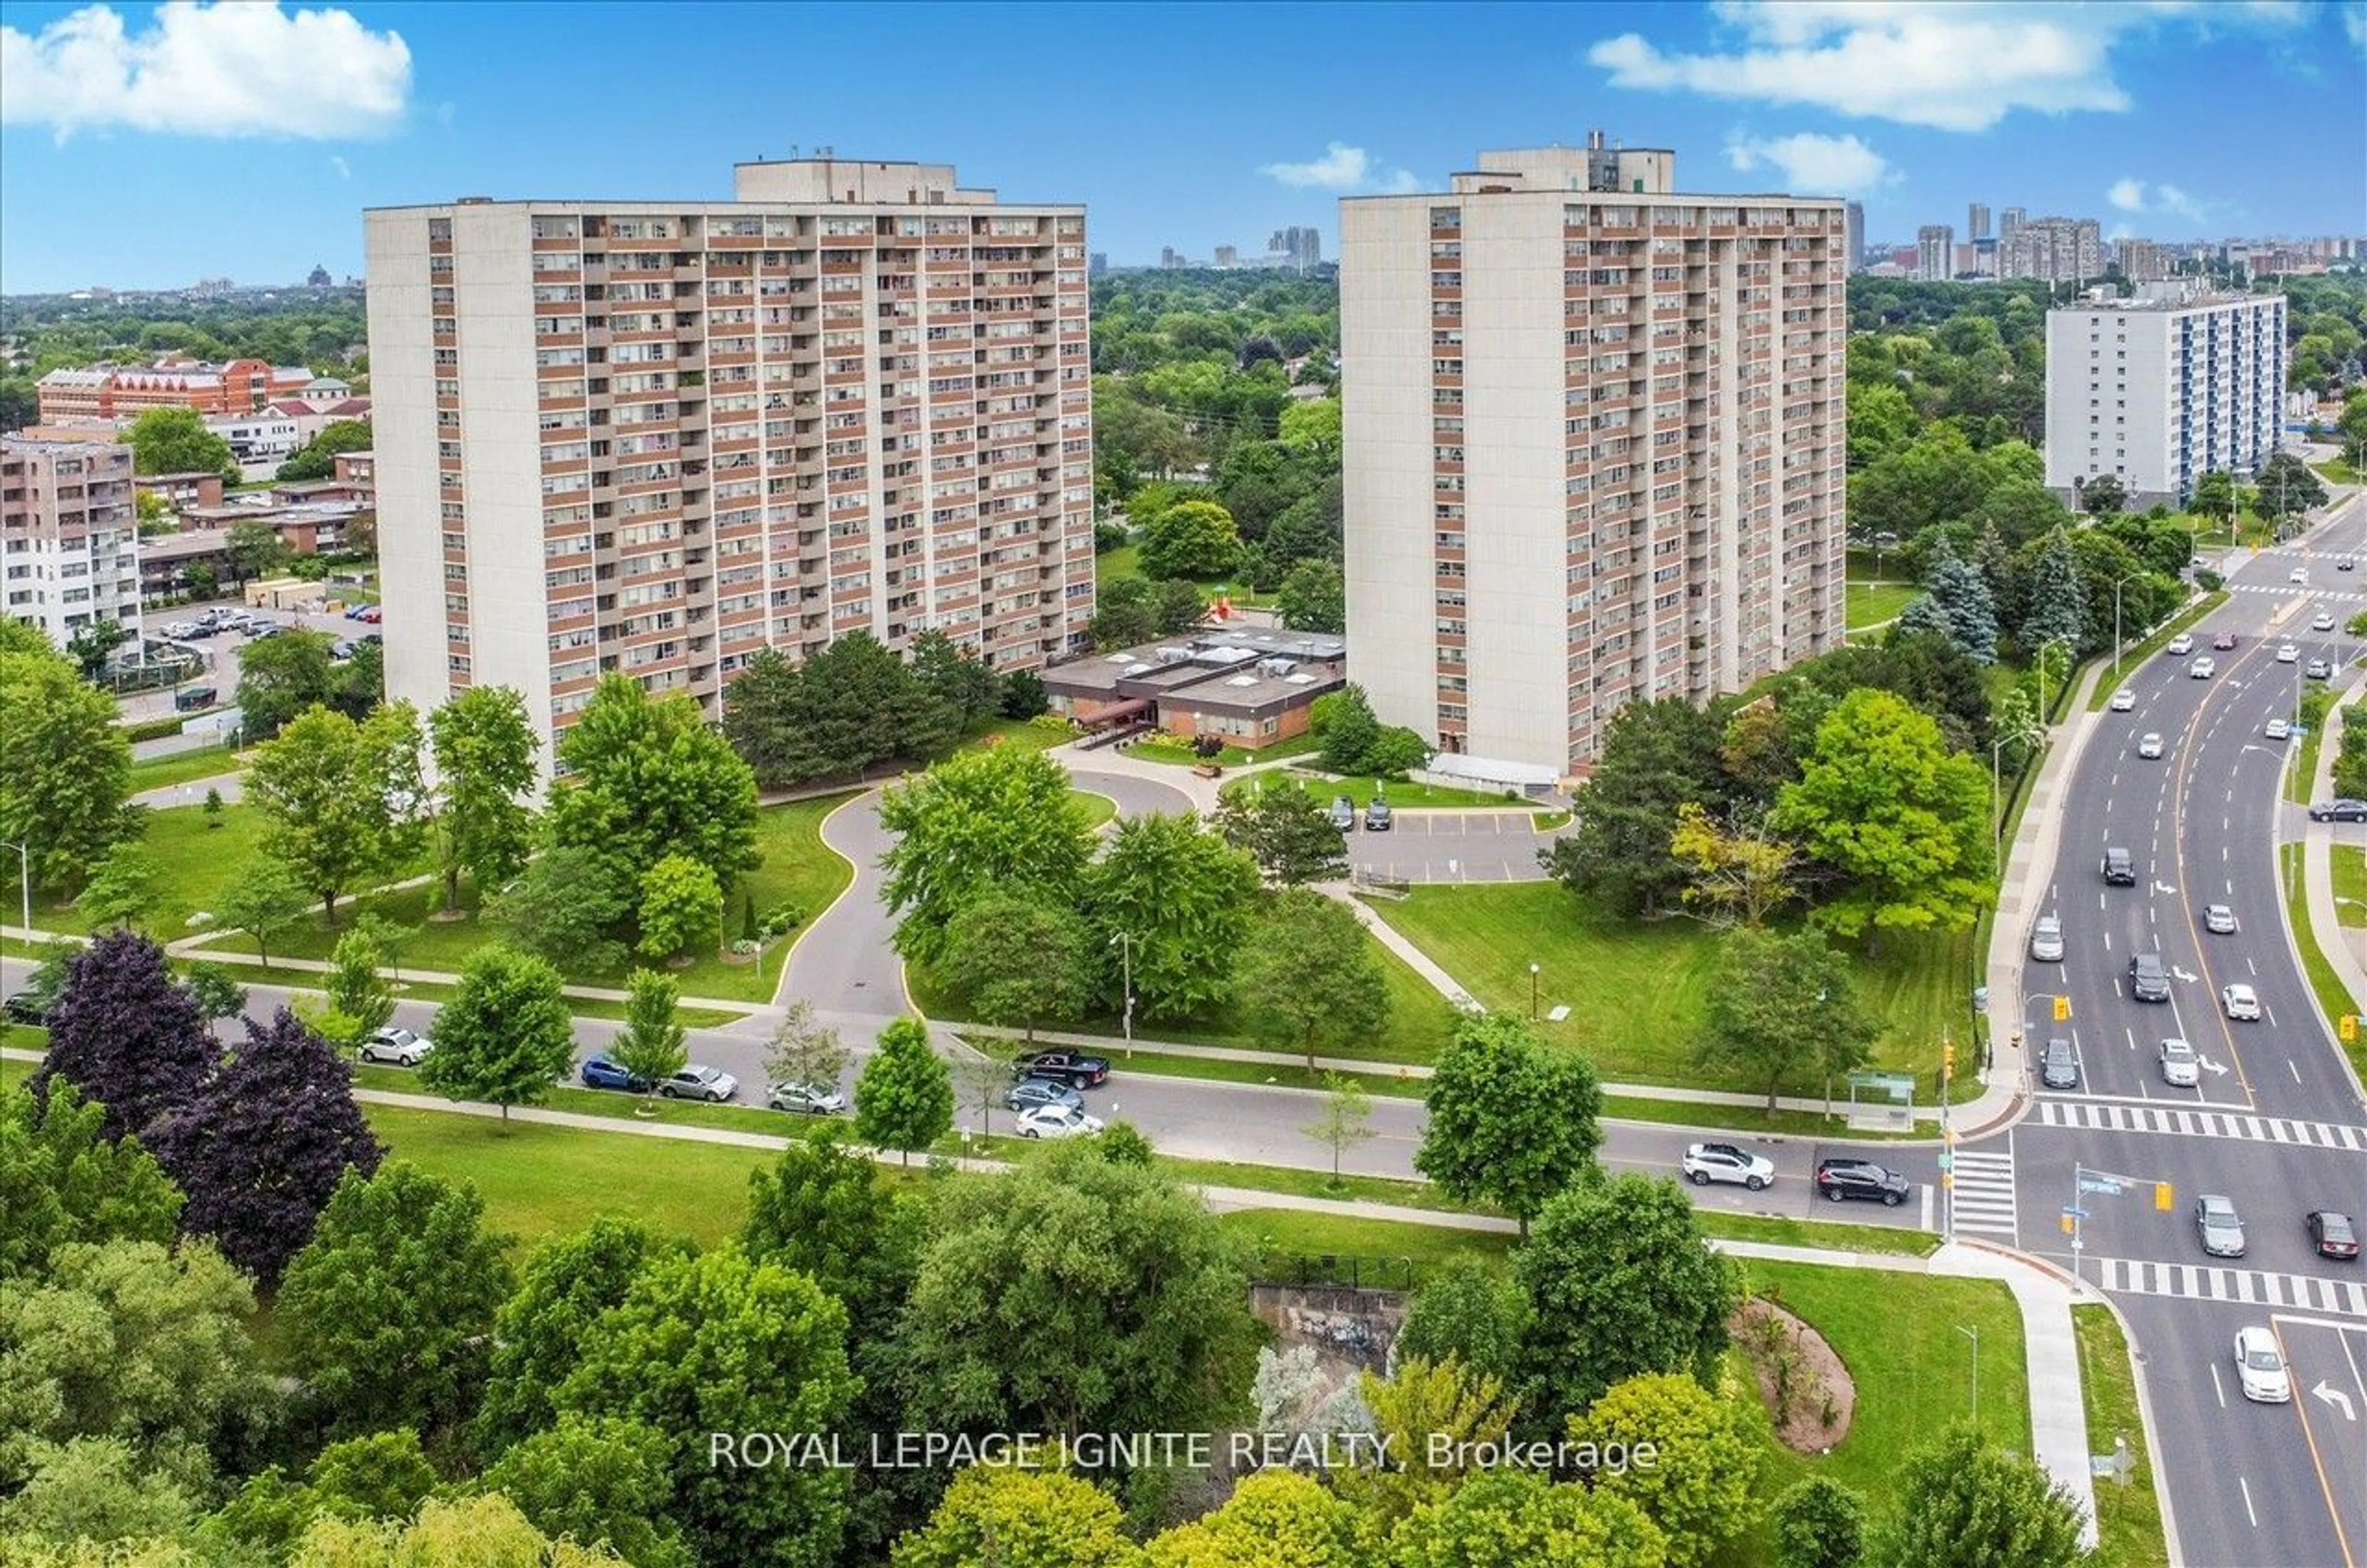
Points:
point(999, 817)
point(65, 766)
point(1958, 1502)
point(1183, 900)
point(175, 441)
point(1022, 959)
point(485, 749)
point(649, 778)
point(1511, 1121)
point(1021, 1519)
point(62, 1180)
point(1286, 829)
point(1782, 1006)
point(506, 1035)
point(1310, 980)
point(904, 1098)
point(338, 799)
point(1656, 755)
point(1193, 538)
point(1700, 1489)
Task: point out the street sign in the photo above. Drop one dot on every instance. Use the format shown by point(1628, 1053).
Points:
point(2072, 1211)
point(1947, 1162)
point(2102, 1184)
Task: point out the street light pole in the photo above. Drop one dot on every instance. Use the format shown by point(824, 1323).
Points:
point(1975, 1336)
point(1533, 991)
point(24, 883)
point(2130, 577)
point(1124, 942)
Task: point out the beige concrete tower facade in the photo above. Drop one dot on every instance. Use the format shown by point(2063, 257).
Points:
point(1594, 445)
point(654, 437)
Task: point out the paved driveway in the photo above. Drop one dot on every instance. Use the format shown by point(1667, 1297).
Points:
point(1455, 846)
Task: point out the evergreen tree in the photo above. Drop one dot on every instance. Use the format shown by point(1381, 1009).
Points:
point(2058, 600)
point(1956, 602)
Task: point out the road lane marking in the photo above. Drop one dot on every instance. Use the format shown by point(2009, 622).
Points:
point(2310, 1293)
point(2247, 1487)
point(2217, 1387)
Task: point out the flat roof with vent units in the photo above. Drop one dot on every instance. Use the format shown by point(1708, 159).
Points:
point(1237, 672)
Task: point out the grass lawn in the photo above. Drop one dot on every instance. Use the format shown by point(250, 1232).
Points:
point(206, 763)
point(2128, 1519)
point(2350, 883)
point(2334, 471)
point(1155, 750)
point(1600, 966)
point(1126, 561)
point(539, 1181)
point(1279, 1237)
point(1872, 604)
point(1023, 733)
point(2333, 998)
point(797, 869)
point(1096, 809)
point(1397, 792)
point(194, 862)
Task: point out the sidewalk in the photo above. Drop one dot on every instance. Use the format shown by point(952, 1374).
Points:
point(2340, 945)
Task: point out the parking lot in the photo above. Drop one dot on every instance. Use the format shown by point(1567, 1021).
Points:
point(1499, 845)
point(222, 650)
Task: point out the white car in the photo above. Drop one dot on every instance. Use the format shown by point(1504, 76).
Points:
point(1705, 1163)
point(2180, 646)
point(2324, 623)
point(806, 1098)
point(2298, 574)
point(2202, 668)
point(2149, 745)
point(2046, 939)
point(399, 1046)
point(2219, 919)
point(2278, 729)
point(2123, 700)
point(1057, 1121)
point(2260, 1367)
point(696, 1082)
point(2180, 1067)
point(2288, 654)
point(2242, 1002)
point(178, 630)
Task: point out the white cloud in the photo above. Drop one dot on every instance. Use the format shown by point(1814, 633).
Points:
point(344, 170)
point(1814, 165)
point(1963, 65)
point(2354, 22)
point(245, 69)
point(2128, 195)
point(2163, 200)
point(1343, 168)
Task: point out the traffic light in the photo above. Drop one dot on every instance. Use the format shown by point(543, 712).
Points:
point(1947, 1057)
point(2063, 1010)
point(2070, 1225)
point(2162, 1198)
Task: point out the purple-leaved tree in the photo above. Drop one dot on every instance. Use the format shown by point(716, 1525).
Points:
point(262, 1145)
point(125, 1034)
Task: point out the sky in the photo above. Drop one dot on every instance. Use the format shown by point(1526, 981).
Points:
point(150, 146)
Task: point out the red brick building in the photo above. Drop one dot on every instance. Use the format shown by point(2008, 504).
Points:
point(113, 391)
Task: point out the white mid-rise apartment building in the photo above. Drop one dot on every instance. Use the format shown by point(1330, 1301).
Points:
point(2162, 388)
point(69, 534)
point(1594, 445)
point(654, 438)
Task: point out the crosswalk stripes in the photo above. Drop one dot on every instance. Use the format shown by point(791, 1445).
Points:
point(2103, 1116)
point(2289, 590)
point(1982, 1193)
point(2196, 1281)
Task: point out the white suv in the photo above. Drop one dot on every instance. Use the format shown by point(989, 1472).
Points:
point(1705, 1163)
point(2180, 646)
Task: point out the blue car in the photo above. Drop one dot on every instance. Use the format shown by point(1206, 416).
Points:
point(598, 1072)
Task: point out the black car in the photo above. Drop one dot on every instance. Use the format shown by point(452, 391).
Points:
point(1063, 1067)
point(2149, 977)
point(24, 1007)
point(1376, 816)
point(2119, 868)
point(2059, 1069)
point(1840, 1179)
point(2333, 1235)
point(2339, 811)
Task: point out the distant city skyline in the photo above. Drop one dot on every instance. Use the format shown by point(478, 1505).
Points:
point(143, 148)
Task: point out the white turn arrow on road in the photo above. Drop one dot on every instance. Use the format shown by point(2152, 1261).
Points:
point(2183, 975)
point(2163, 887)
point(2335, 1397)
point(2209, 1065)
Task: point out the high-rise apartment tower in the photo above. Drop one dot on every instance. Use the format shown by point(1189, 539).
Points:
point(1593, 446)
point(1977, 222)
point(1935, 253)
point(655, 437)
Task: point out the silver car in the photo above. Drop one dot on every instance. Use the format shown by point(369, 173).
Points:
point(696, 1082)
point(2220, 1226)
point(2218, 919)
point(397, 1046)
point(1029, 1094)
point(806, 1098)
point(2046, 939)
point(2180, 1067)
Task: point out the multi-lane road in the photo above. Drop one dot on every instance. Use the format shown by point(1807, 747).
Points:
point(2276, 1122)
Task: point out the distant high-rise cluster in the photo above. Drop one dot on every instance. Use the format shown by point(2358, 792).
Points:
point(2054, 250)
point(1935, 253)
point(1295, 246)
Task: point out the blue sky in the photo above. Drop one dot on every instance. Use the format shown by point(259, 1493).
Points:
point(142, 146)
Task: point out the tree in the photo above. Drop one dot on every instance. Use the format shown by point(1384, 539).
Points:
point(131, 1342)
point(651, 1045)
point(254, 547)
point(1739, 873)
point(177, 441)
point(1345, 722)
point(1286, 829)
point(1778, 1004)
point(1183, 899)
point(1657, 756)
point(717, 1342)
point(1310, 980)
point(2214, 497)
point(904, 1098)
point(2287, 487)
point(1618, 1282)
point(357, 993)
point(804, 1050)
point(563, 909)
point(387, 1310)
point(1511, 1122)
point(1018, 1519)
point(203, 581)
point(124, 1034)
point(1123, 614)
point(1127, 1273)
point(93, 644)
point(1956, 604)
point(1192, 538)
point(1344, 1121)
point(1466, 1312)
point(1432, 1416)
point(1273, 1516)
point(1881, 801)
point(999, 817)
point(263, 1143)
point(540, 1331)
point(1519, 1517)
point(317, 458)
point(652, 779)
point(484, 751)
point(262, 897)
point(122, 890)
point(596, 1482)
point(64, 1181)
point(824, 1211)
point(2102, 496)
point(65, 768)
point(357, 686)
point(281, 677)
point(955, 677)
point(680, 906)
point(1699, 1490)
point(1314, 597)
point(1023, 695)
point(1819, 1523)
point(1021, 959)
point(213, 807)
point(1962, 1503)
point(504, 1035)
point(337, 797)
point(2058, 598)
point(1177, 605)
point(483, 1529)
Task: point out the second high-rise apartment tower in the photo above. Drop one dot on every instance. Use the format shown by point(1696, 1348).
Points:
point(1594, 445)
point(654, 437)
